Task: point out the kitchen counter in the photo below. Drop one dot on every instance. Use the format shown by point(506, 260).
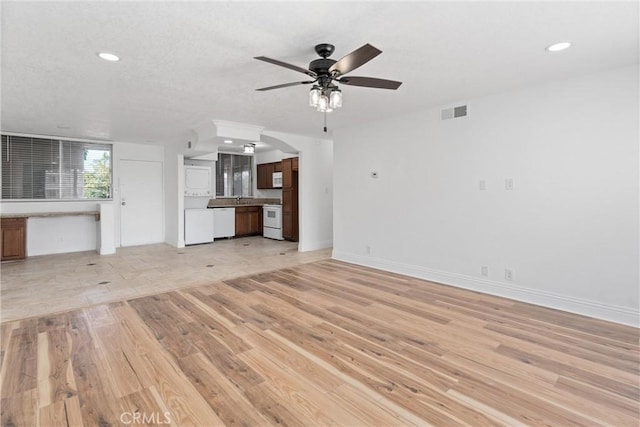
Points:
point(241, 205)
point(233, 203)
point(96, 214)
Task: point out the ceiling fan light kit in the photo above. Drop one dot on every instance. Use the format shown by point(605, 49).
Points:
point(325, 95)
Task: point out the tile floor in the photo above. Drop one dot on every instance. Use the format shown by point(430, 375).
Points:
point(56, 283)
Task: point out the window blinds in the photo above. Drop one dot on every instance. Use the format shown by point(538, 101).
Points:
point(234, 175)
point(53, 169)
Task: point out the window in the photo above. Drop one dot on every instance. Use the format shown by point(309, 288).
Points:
point(233, 175)
point(53, 169)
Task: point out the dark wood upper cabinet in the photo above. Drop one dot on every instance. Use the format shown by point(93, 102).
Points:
point(265, 174)
point(287, 170)
point(262, 176)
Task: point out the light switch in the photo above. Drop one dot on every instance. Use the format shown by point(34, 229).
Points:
point(482, 185)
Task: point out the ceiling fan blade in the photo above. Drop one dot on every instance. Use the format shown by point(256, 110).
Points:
point(370, 82)
point(355, 59)
point(285, 65)
point(285, 85)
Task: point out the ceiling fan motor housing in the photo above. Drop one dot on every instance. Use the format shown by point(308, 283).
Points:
point(321, 66)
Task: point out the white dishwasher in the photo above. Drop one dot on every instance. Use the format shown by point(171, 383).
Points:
point(225, 222)
point(198, 226)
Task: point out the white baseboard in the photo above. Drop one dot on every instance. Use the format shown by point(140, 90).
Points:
point(623, 315)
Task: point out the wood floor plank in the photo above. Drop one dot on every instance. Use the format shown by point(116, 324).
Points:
point(291, 389)
point(596, 327)
point(141, 407)
point(631, 391)
point(186, 405)
point(64, 412)
point(227, 400)
point(98, 403)
point(56, 381)
point(523, 378)
point(622, 361)
point(124, 378)
point(21, 409)
point(20, 359)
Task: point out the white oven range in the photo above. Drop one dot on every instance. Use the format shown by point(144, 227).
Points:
point(272, 221)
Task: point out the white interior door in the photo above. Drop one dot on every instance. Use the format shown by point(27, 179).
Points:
point(141, 207)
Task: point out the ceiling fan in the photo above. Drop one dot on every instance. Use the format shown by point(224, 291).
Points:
point(325, 72)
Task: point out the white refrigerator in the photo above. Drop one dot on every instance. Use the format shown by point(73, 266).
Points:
point(198, 226)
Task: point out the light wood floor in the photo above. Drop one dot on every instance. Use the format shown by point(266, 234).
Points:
point(325, 343)
point(55, 283)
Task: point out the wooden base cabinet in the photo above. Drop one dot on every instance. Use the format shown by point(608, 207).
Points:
point(14, 242)
point(248, 220)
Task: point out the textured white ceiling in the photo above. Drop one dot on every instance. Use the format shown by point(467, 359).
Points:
point(184, 64)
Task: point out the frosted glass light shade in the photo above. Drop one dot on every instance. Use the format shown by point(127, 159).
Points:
point(314, 97)
point(323, 103)
point(335, 99)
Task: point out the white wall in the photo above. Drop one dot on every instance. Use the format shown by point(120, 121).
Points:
point(62, 234)
point(315, 189)
point(569, 229)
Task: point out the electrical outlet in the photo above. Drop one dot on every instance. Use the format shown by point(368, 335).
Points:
point(508, 184)
point(482, 185)
point(508, 274)
point(484, 271)
point(368, 250)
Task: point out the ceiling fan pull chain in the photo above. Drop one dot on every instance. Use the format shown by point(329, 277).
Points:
point(325, 122)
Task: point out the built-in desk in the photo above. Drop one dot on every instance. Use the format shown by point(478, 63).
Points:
point(96, 214)
point(13, 228)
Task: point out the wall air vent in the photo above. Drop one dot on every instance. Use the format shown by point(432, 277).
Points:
point(453, 113)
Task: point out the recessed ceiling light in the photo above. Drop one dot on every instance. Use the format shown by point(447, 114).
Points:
point(109, 56)
point(228, 141)
point(557, 47)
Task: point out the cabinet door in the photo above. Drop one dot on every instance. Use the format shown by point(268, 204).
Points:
point(294, 164)
point(287, 200)
point(242, 221)
point(262, 176)
point(277, 167)
point(13, 238)
point(254, 222)
point(269, 171)
point(265, 175)
point(287, 173)
point(287, 226)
